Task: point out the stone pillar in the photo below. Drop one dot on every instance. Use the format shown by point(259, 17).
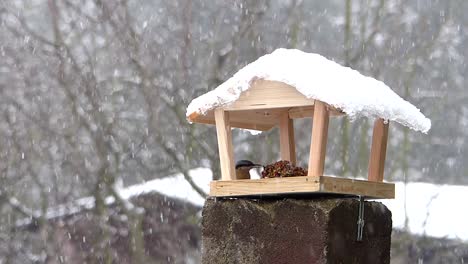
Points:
point(279, 230)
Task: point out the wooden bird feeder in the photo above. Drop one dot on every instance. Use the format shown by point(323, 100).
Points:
point(266, 104)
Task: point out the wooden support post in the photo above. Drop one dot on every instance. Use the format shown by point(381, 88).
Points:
point(318, 145)
point(378, 151)
point(223, 130)
point(287, 147)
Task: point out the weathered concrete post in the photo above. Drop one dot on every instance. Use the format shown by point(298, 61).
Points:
point(286, 230)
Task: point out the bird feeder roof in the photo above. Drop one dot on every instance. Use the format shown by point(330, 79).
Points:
point(306, 77)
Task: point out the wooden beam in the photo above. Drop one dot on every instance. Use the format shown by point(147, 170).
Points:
point(257, 119)
point(308, 111)
point(287, 145)
point(260, 127)
point(318, 145)
point(378, 151)
point(223, 130)
point(301, 112)
point(303, 184)
point(264, 94)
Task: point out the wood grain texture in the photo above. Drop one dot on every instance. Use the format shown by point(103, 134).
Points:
point(260, 119)
point(223, 130)
point(261, 106)
point(378, 151)
point(318, 145)
point(264, 94)
point(265, 186)
point(287, 144)
point(242, 124)
point(308, 112)
point(303, 184)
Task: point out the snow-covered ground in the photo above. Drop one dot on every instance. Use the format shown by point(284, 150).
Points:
point(174, 186)
point(434, 210)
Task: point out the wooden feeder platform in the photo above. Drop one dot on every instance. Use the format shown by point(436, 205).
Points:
point(268, 104)
point(273, 103)
point(303, 185)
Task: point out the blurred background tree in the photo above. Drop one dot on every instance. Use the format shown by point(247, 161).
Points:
point(93, 92)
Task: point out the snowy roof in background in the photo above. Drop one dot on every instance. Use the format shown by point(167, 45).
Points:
point(174, 186)
point(430, 208)
point(317, 78)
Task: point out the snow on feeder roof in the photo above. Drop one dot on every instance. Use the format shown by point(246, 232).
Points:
point(288, 84)
point(312, 76)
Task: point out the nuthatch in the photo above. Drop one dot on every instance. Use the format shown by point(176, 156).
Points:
point(243, 168)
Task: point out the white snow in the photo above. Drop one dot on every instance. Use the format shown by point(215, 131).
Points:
point(431, 208)
point(317, 78)
point(434, 210)
point(174, 186)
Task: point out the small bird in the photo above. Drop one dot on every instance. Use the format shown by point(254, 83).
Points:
point(243, 168)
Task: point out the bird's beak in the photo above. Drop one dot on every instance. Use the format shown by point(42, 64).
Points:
point(258, 166)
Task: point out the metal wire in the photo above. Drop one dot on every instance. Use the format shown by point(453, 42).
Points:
point(360, 222)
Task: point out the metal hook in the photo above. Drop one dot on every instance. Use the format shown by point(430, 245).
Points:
point(360, 222)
